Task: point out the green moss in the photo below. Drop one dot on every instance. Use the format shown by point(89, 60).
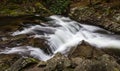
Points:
point(4, 66)
point(22, 7)
point(116, 69)
point(58, 6)
point(41, 9)
point(31, 60)
point(12, 12)
point(38, 4)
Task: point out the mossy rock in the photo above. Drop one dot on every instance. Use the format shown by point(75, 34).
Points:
point(22, 63)
point(16, 8)
point(7, 60)
point(57, 6)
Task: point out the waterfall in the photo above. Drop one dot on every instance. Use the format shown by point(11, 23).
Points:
point(62, 34)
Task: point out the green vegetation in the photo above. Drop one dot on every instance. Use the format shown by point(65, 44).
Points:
point(22, 7)
point(28, 7)
point(58, 6)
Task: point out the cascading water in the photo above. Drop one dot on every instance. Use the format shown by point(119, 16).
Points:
point(62, 34)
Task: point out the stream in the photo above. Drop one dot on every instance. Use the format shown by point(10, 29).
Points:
point(62, 34)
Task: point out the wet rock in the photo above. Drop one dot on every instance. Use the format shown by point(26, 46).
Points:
point(13, 41)
point(113, 52)
point(9, 24)
point(58, 62)
point(17, 8)
point(21, 63)
point(42, 64)
point(7, 60)
point(85, 50)
point(40, 43)
point(25, 40)
point(34, 69)
point(103, 64)
point(62, 63)
point(101, 14)
point(77, 60)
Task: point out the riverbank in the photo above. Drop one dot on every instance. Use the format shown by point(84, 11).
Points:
point(105, 14)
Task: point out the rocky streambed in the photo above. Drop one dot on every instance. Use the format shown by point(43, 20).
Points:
point(82, 57)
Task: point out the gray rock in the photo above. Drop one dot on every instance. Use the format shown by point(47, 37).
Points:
point(100, 14)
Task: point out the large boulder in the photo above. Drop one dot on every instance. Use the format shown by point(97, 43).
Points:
point(85, 50)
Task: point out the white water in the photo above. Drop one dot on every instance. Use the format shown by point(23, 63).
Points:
point(66, 35)
point(27, 50)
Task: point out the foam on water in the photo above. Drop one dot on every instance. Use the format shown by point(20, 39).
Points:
point(65, 36)
point(27, 50)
